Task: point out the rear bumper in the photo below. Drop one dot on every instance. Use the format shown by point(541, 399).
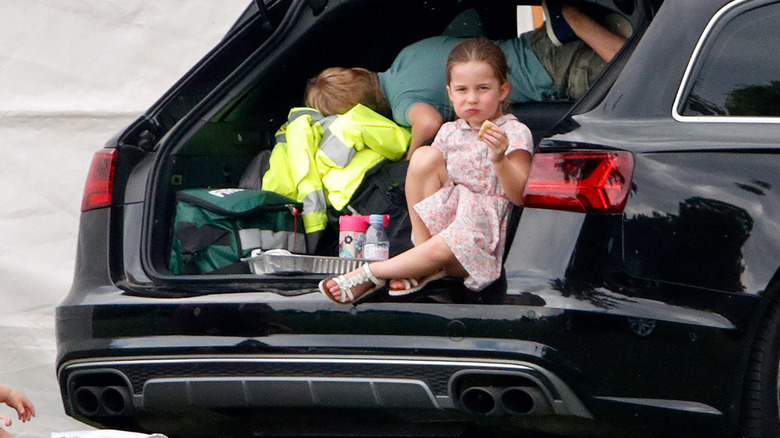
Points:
point(171, 383)
point(124, 359)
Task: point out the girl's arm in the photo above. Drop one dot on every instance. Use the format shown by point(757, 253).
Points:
point(512, 171)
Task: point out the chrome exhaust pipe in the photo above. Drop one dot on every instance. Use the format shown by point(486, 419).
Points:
point(525, 400)
point(481, 400)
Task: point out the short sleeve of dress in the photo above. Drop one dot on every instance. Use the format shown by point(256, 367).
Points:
point(519, 135)
point(441, 141)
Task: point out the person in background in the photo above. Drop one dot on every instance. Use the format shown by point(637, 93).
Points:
point(20, 403)
point(557, 61)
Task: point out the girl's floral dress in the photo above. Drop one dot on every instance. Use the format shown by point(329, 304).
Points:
point(471, 209)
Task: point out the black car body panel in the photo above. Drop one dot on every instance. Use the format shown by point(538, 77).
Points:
point(643, 320)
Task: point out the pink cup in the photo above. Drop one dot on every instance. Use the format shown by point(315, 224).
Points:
point(352, 235)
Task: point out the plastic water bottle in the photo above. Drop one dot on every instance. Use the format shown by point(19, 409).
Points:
point(377, 246)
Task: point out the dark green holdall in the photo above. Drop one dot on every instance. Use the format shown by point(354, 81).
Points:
point(213, 229)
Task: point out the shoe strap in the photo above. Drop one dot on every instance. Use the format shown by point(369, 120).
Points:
point(345, 286)
point(370, 276)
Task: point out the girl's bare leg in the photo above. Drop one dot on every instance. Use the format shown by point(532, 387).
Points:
point(426, 174)
point(425, 259)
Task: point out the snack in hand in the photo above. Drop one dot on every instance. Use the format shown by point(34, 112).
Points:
point(486, 126)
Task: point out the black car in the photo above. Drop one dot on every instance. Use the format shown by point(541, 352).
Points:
point(640, 286)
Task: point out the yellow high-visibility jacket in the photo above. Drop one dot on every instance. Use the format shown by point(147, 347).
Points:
point(322, 161)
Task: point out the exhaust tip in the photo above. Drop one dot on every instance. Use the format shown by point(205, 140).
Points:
point(479, 400)
point(517, 401)
point(87, 400)
point(525, 400)
point(116, 400)
point(97, 401)
point(502, 394)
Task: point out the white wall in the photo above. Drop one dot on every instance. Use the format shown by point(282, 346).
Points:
point(73, 72)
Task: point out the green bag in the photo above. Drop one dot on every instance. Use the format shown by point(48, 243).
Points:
point(216, 228)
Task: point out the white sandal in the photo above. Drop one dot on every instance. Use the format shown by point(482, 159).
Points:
point(412, 285)
point(346, 284)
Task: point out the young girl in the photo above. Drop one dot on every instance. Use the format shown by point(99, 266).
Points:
point(460, 188)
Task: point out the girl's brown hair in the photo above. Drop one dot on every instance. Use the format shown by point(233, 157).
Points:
point(336, 90)
point(484, 50)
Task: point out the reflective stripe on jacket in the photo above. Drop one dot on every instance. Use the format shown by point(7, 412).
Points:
point(292, 170)
point(315, 156)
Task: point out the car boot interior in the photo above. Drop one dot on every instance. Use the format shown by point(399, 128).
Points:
point(214, 149)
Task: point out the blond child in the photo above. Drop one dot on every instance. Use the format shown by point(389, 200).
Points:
point(20, 403)
point(467, 182)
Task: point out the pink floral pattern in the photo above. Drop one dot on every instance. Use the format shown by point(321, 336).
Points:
point(470, 211)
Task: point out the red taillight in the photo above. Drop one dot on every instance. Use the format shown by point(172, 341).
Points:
point(98, 192)
point(583, 181)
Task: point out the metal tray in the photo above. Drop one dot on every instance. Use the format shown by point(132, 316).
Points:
point(279, 261)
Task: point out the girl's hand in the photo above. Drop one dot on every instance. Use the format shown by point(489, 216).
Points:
point(497, 142)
